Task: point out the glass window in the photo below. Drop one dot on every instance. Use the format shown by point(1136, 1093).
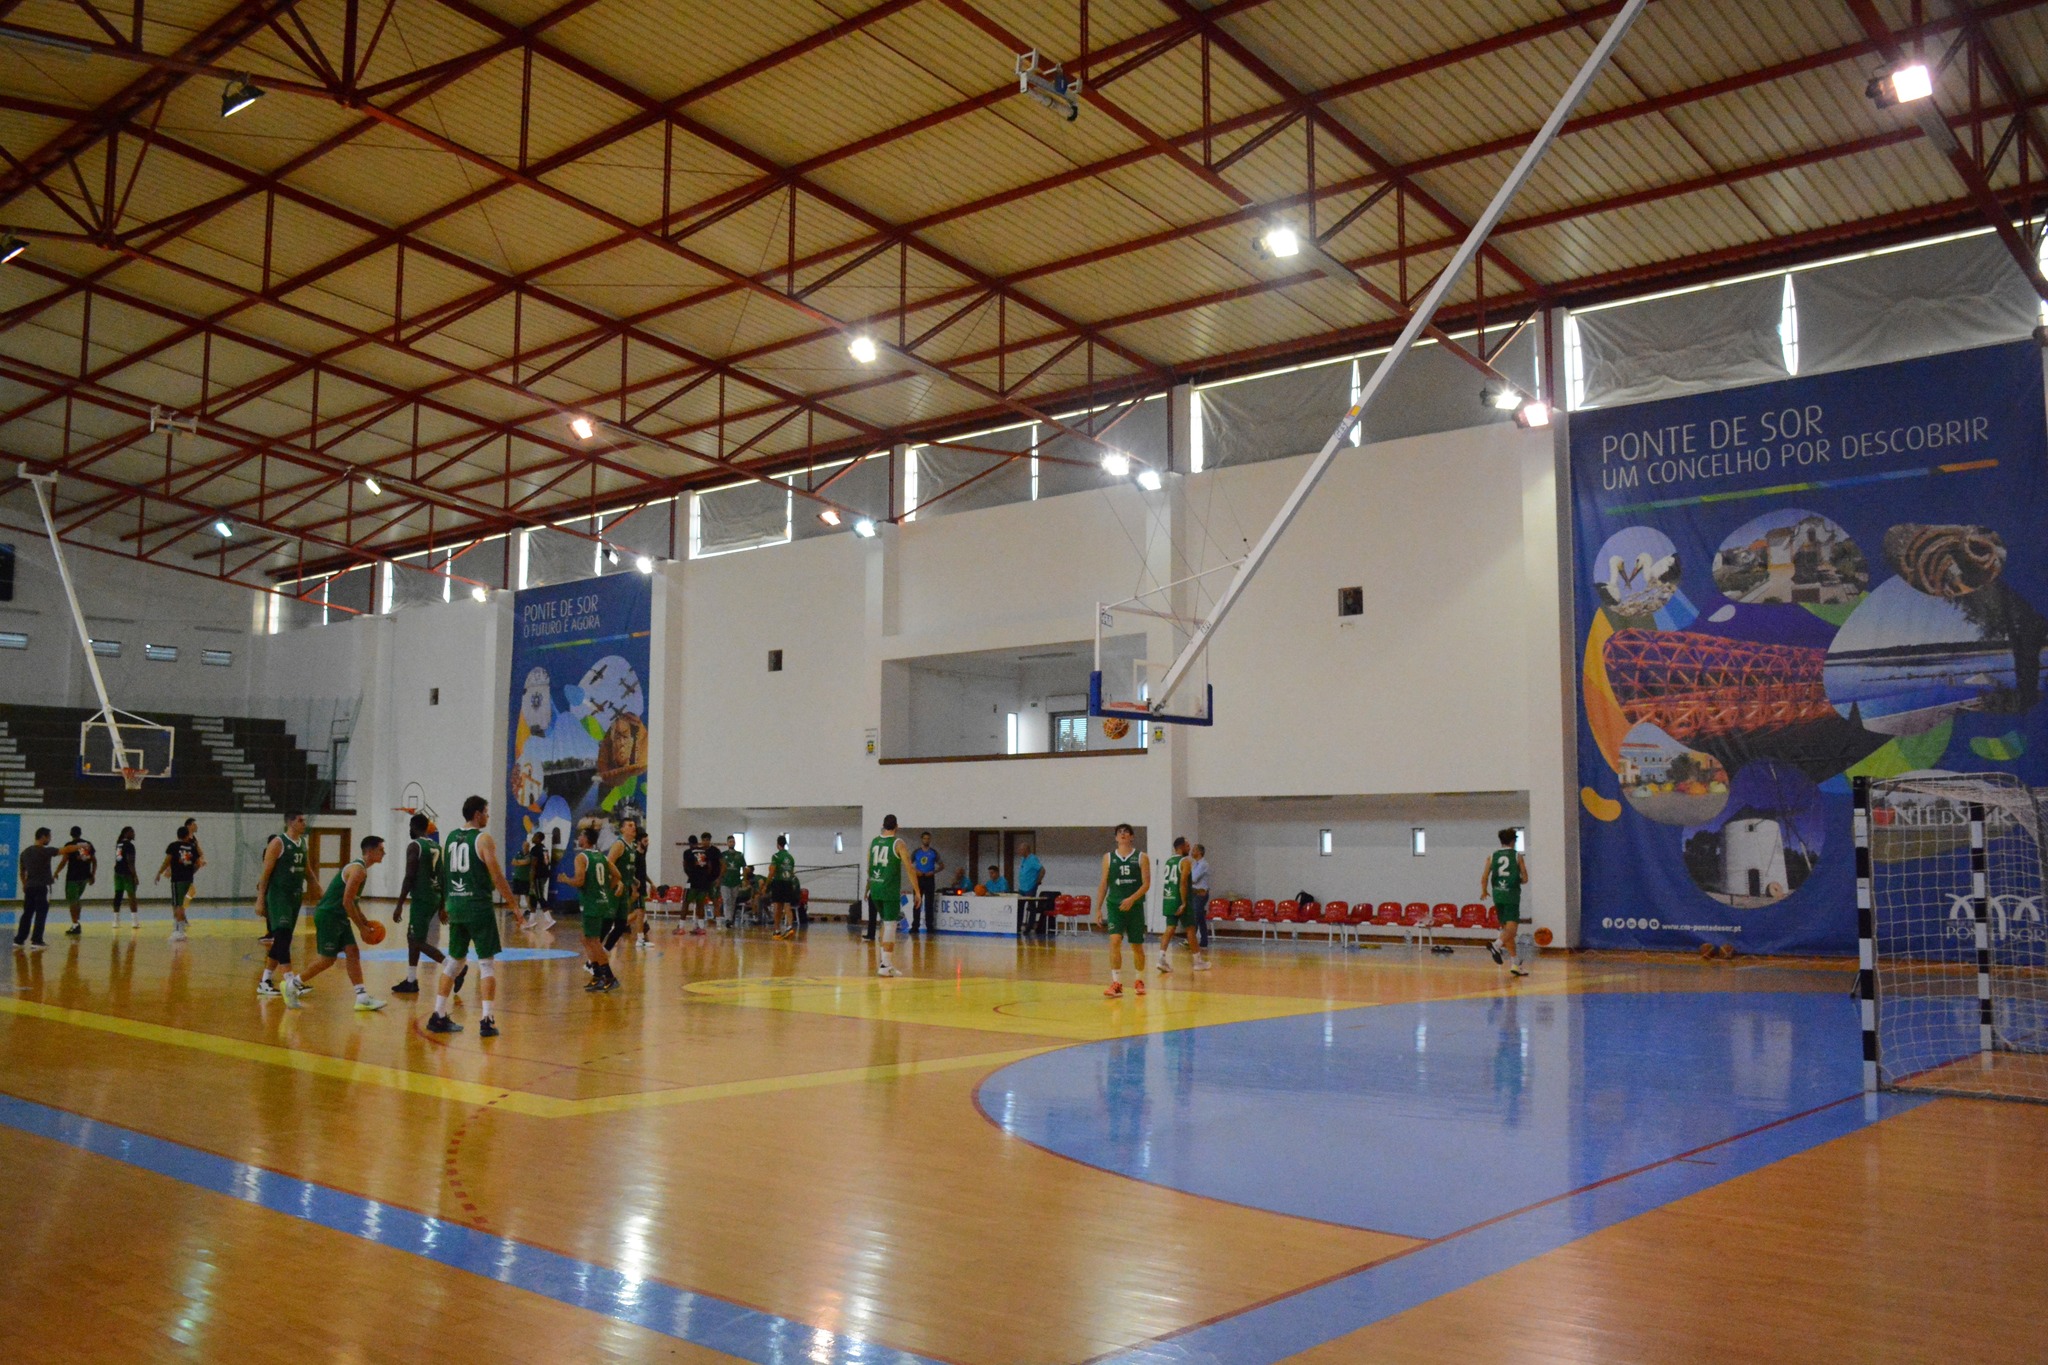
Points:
point(1070, 733)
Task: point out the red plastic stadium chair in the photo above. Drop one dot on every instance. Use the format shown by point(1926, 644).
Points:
point(1492, 920)
point(1264, 914)
point(1337, 921)
point(1241, 909)
point(1415, 922)
point(1388, 913)
point(1472, 915)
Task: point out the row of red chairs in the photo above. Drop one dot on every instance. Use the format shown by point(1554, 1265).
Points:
point(1416, 919)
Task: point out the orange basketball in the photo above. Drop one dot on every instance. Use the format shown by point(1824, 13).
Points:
point(980, 890)
point(1543, 937)
point(1116, 727)
point(373, 933)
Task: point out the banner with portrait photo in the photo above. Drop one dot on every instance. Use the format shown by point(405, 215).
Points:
point(579, 743)
point(1784, 587)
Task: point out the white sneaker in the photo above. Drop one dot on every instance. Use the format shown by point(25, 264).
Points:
point(292, 991)
point(177, 934)
point(1518, 970)
point(1201, 964)
point(267, 990)
point(1164, 965)
point(886, 970)
point(368, 1003)
point(547, 921)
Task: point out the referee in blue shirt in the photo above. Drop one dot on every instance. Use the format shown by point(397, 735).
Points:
point(1031, 907)
point(926, 863)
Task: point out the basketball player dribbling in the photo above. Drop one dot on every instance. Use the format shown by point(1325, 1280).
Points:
point(1120, 896)
point(1506, 873)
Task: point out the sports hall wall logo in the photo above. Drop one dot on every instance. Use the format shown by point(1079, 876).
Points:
point(1784, 587)
point(579, 745)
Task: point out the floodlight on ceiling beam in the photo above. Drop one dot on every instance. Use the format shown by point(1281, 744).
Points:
point(370, 482)
point(223, 528)
point(645, 563)
point(864, 528)
point(1534, 413)
point(478, 592)
point(1116, 464)
point(830, 516)
point(611, 556)
point(239, 95)
point(1503, 397)
point(10, 247)
point(583, 427)
point(862, 348)
point(1149, 480)
point(1901, 85)
point(1279, 242)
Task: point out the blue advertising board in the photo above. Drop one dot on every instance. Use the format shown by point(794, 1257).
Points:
point(1783, 587)
point(579, 745)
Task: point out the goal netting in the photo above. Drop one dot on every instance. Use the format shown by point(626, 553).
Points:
point(1955, 959)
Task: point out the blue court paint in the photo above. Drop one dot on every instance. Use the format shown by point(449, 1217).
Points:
point(1423, 1119)
point(504, 955)
point(1274, 1331)
point(720, 1325)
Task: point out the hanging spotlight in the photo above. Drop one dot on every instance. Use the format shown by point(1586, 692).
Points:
point(583, 428)
point(830, 516)
point(10, 247)
point(1116, 464)
point(480, 593)
point(1504, 398)
point(1279, 242)
point(645, 564)
point(1902, 85)
point(862, 348)
point(1149, 480)
point(370, 482)
point(1534, 413)
point(864, 528)
point(238, 96)
point(611, 556)
point(223, 528)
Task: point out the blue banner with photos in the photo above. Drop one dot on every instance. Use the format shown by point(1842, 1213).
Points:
point(579, 743)
point(1783, 587)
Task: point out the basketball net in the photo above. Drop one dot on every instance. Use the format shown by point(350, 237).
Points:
point(131, 778)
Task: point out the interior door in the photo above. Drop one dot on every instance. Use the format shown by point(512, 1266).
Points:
point(326, 854)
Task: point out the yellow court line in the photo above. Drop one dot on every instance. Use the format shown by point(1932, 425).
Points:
point(472, 1092)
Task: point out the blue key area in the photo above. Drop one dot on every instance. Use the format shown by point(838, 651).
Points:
point(1424, 1119)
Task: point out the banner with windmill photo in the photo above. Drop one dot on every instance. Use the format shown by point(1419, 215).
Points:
point(1782, 587)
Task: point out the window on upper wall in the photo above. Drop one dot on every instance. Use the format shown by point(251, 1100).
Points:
point(107, 649)
point(1418, 841)
point(1788, 329)
point(13, 639)
point(217, 658)
point(160, 654)
point(1574, 366)
point(1070, 733)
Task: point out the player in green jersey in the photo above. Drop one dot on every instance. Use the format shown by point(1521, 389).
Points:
point(1173, 902)
point(470, 874)
point(1507, 872)
point(781, 891)
point(1120, 903)
point(887, 857)
point(628, 859)
point(333, 935)
point(280, 892)
point(597, 884)
point(422, 886)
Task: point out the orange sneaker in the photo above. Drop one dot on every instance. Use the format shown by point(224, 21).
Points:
point(1140, 986)
point(1116, 989)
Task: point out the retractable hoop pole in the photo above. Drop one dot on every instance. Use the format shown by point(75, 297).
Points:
point(44, 484)
point(1417, 321)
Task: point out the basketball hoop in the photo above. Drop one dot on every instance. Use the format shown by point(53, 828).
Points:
point(131, 778)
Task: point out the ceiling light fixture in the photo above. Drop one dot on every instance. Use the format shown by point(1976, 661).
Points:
point(1279, 242)
point(480, 593)
point(830, 516)
point(10, 247)
point(223, 529)
point(1534, 413)
point(611, 557)
point(1901, 85)
point(1149, 480)
point(864, 528)
point(238, 96)
point(370, 482)
point(1116, 464)
point(583, 427)
point(1505, 398)
point(862, 348)
point(645, 563)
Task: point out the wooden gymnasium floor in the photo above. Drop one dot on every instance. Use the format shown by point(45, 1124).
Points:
point(759, 1151)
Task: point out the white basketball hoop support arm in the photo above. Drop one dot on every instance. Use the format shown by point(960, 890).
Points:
point(45, 486)
point(1420, 319)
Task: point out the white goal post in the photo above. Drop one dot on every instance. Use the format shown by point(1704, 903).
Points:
point(1953, 948)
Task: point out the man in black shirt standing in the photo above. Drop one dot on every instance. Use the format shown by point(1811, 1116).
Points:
point(700, 872)
point(124, 876)
point(36, 861)
point(182, 860)
point(79, 861)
